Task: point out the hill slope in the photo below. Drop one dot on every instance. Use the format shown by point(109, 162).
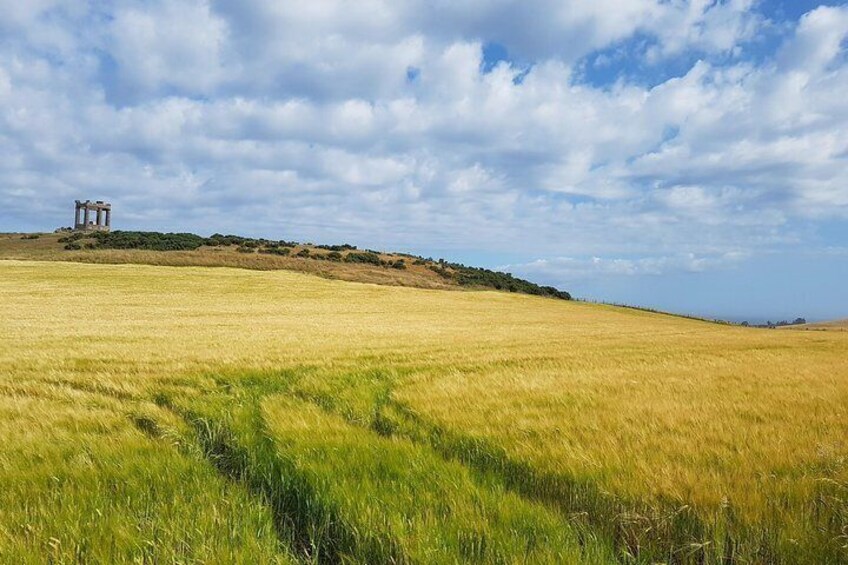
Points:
point(344, 262)
point(226, 415)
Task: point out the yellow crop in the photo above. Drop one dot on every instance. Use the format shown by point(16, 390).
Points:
point(181, 414)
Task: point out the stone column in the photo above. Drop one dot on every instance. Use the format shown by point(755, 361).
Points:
point(108, 218)
point(99, 216)
point(76, 216)
point(86, 216)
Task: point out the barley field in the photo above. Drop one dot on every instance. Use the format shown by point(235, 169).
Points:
point(212, 415)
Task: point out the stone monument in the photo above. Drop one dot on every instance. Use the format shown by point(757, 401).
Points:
point(102, 220)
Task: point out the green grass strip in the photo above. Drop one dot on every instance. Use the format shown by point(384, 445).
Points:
point(402, 502)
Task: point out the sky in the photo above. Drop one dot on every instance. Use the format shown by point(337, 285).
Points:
point(683, 155)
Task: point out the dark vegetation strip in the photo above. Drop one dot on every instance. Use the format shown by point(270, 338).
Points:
point(233, 436)
point(580, 506)
point(241, 449)
point(667, 532)
point(147, 425)
point(464, 275)
point(435, 509)
point(205, 440)
point(456, 273)
point(593, 514)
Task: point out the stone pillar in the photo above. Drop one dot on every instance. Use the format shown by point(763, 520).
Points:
point(99, 216)
point(108, 218)
point(76, 216)
point(86, 216)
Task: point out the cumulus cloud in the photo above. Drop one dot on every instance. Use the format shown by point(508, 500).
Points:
point(166, 47)
point(706, 25)
point(575, 268)
point(383, 123)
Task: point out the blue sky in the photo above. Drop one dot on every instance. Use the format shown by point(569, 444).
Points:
point(684, 155)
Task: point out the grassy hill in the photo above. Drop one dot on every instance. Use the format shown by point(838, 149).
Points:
point(345, 262)
point(160, 414)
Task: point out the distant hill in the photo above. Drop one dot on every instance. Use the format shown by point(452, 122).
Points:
point(344, 262)
point(837, 325)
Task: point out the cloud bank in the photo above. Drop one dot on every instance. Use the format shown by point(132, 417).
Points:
point(546, 129)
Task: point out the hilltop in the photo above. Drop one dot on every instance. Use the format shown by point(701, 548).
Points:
point(344, 262)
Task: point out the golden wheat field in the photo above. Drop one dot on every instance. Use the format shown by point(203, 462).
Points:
point(215, 415)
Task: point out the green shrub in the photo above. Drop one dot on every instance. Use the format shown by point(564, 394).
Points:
point(153, 241)
point(367, 257)
point(342, 247)
point(76, 236)
point(441, 271)
point(473, 276)
point(399, 264)
point(282, 251)
point(218, 240)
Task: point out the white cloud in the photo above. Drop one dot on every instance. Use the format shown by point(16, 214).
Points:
point(374, 122)
point(167, 45)
point(706, 25)
point(818, 40)
point(568, 269)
